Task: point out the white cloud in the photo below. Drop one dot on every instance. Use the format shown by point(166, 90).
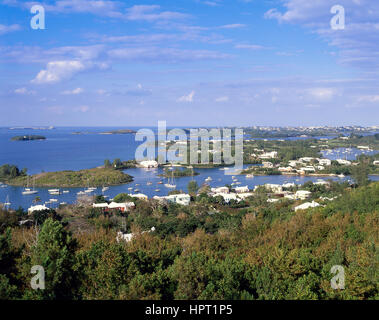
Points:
point(187, 98)
point(150, 13)
point(249, 46)
point(233, 26)
point(57, 71)
point(24, 91)
point(357, 43)
point(222, 99)
point(83, 109)
point(322, 93)
point(371, 99)
point(6, 29)
point(73, 92)
point(170, 55)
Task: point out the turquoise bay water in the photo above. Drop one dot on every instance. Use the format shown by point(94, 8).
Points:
point(66, 151)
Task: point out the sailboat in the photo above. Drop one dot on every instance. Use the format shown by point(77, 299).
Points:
point(27, 190)
point(105, 188)
point(7, 203)
point(171, 184)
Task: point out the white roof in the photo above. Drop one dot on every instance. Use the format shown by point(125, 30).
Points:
point(37, 208)
point(307, 205)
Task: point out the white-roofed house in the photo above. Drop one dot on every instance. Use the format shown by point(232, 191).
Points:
point(307, 205)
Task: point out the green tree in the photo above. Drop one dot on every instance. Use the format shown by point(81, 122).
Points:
point(107, 163)
point(8, 270)
point(360, 173)
point(55, 252)
point(192, 187)
point(117, 163)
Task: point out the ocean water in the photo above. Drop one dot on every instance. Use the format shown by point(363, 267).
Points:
point(64, 150)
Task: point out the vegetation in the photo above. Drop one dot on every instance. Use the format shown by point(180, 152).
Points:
point(208, 250)
point(121, 131)
point(8, 171)
point(63, 179)
point(179, 172)
point(28, 138)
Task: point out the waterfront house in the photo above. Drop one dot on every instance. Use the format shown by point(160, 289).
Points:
point(344, 162)
point(149, 164)
point(302, 194)
point(277, 188)
point(123, 207)
point(267, 164)
point(181, 198)
point(307, 205)
point(139, 196)
point(37, 208)
point(242, 189)
point(325, 162)
point(227, 196)
point(220, 190)
point(268, 155)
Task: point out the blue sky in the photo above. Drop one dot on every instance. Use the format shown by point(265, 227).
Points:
point(193, 62)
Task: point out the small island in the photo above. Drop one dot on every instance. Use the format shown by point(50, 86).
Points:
point(121, 131)
point(28, 138)
point(178, 172)
point(95, 177)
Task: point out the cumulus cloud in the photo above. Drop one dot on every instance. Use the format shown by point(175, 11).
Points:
point(187, 98)
point(57, 71)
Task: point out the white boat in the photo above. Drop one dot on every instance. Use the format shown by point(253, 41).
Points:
point(88, 190)
point(66, 191)
point(53, 190)
point(171, 183)
point(136, 190)
point(7, 203)
point(81, 193)
point(149, 183)
point(157, 190)
point(55, 193)
point(63, 203)
point(249, 176)
point(28, 191)
point(208, 179)
point(53, 200)
point(104, 189)
point(341, 175)
point(130, 188)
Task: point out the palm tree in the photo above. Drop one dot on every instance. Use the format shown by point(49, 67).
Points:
point(37, 199)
